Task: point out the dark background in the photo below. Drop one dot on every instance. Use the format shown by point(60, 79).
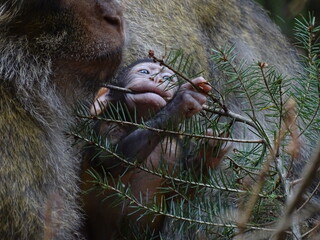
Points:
point(283, 12)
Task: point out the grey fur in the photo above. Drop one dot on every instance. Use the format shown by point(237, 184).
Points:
point(39, 168)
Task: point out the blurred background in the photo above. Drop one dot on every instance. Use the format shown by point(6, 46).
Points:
point(283, 12)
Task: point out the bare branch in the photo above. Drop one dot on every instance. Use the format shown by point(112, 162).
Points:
point(308, 175)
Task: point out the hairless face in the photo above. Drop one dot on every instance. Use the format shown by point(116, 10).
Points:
point(155, 84)
point(154, 72)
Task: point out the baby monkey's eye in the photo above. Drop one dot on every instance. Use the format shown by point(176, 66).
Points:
point(167, 78)
point(144, 71)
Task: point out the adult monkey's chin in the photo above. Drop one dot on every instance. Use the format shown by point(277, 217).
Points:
point(74, 77)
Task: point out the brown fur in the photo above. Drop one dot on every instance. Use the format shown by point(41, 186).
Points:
point(197, 26)
point(53, 54)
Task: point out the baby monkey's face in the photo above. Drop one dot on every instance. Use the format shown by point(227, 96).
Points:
point(154, 86)
point(154, 78)
point(153, 72)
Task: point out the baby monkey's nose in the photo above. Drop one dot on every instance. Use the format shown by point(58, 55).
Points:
point(158, 79)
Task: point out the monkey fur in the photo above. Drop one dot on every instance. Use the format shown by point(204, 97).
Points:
point(54, 54)
point(197, 26)
point(50, 58)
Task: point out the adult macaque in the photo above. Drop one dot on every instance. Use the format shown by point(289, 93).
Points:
point(197, 27)
point(161, 104)
point(53, 54)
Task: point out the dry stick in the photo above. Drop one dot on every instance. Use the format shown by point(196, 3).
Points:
point(309, 172)
point(289, 120)
point(244, 219)
point(288, 192)
point(290, 125)
point(255, 194)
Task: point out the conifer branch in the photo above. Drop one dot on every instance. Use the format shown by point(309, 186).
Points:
point(161, 210)
point(225, 112)
point(169, 132)
point(153, 172)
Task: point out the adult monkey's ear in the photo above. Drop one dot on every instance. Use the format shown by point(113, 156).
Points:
point(100, 101)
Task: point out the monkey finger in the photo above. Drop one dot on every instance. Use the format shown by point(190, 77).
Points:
point(205, 87)
point(200, 82)
point(100, 102)
point(200, 98)
point(209, 132)
point(102, 91)
point(192, 103)
point(193, 110)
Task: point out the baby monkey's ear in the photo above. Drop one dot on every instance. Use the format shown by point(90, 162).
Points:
point(100, 101)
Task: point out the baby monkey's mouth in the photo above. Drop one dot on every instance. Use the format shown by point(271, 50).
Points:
point(163, 92)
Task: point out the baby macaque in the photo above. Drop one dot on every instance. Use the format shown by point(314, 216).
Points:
point(160, 103)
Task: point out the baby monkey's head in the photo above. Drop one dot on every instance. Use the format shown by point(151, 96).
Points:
point(152, 85)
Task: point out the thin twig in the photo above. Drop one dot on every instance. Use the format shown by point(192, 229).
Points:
point(168, 132)
point(120, 89)
point(241, 81)
point(288, 192)
point(235, 116)
point(244, 219)
point(242, 167)
point(310, 197)
point(262, 66)
point(316, 228)
point(162, 63)
point(309, 172)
